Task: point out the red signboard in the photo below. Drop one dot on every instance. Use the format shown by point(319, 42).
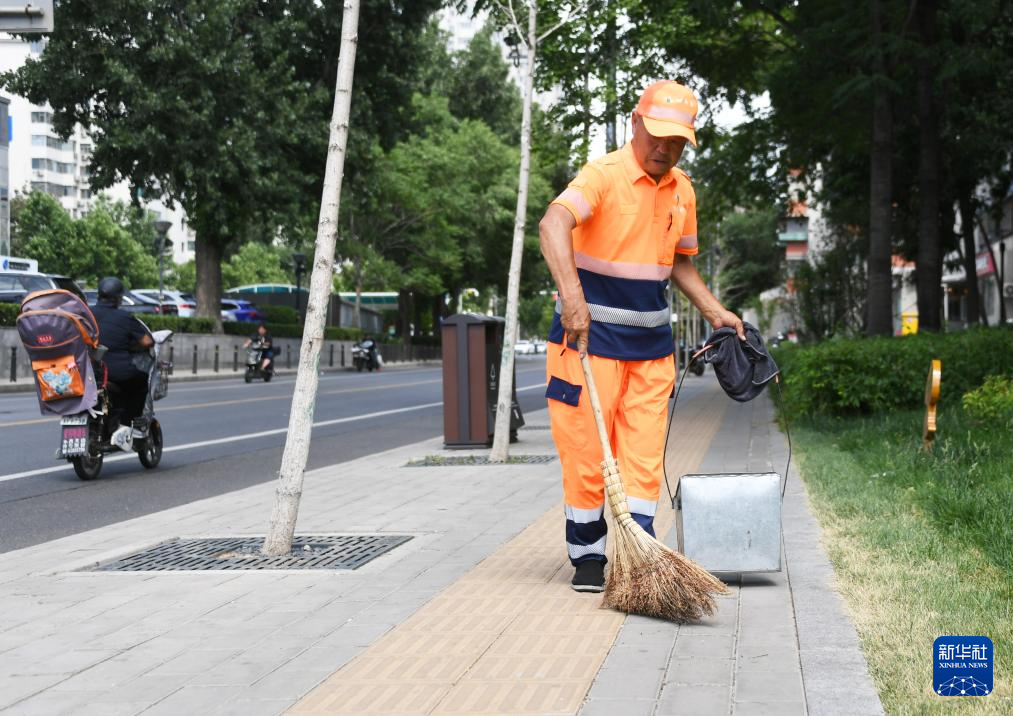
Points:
point(983, 264)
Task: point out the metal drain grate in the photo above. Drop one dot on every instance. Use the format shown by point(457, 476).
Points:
point(478, 460)
point(331, 552)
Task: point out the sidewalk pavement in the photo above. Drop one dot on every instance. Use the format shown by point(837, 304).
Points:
point(474, 615)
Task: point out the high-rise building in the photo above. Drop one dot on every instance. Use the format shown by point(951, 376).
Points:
point(39, 160)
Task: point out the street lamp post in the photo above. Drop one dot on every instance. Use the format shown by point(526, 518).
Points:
point(162, 227)
point(299, 265)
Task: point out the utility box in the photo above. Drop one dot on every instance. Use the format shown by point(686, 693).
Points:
point(472, 351)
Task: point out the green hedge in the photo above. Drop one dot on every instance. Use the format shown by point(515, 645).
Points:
point(290, 330)
point(177, 324)
point(869, 375)
point(9, 313)
point(279, 314)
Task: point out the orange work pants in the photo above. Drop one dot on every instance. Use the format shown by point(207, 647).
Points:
point(634, 401)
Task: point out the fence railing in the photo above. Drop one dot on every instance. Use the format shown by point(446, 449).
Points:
point(192, 354)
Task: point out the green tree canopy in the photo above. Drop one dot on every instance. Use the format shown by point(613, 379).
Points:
point(86, 249)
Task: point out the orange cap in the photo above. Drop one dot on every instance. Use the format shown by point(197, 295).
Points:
point(669, 110)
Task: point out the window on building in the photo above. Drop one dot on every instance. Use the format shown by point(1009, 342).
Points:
point(42, 117)
point(57, 190)
point(42, 140)
point(52, 166)
point(191, 245)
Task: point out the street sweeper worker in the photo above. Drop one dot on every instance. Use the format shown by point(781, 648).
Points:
point(624, 227)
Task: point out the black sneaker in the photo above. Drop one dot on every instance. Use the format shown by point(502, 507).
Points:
point(589, 577)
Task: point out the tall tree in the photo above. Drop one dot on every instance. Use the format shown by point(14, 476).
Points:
point(236, 134)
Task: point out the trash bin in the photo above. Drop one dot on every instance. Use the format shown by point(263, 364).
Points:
point(472, 351)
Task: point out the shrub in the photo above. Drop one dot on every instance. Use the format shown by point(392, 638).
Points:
point(278, 314)
point(9, 313)
point(177, 324)
point(291, 330)
point(992, 402)
point(866, 375)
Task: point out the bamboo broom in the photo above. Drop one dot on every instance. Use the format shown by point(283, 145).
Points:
point(647, 577)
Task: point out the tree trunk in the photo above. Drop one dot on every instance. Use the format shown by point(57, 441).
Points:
point(358, 294)
point(880, 301)
point(300, 426)
point(611, 139)
point(975, 308)
point(504, 403)
point(930, 268)
point(404, 313)
point(208, 261)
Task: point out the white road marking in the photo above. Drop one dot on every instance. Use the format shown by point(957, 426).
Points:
point(237, 438)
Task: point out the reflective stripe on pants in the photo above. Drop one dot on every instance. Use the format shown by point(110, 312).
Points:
point(634, 400)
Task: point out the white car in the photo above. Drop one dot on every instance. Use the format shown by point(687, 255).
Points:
point(524, 347)
point(186, 303)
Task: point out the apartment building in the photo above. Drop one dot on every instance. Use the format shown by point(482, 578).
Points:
point(40, 160)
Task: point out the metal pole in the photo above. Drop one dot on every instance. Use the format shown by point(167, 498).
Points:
point(1002, 281)
point(14, 364)
point(235, 358)
point(195, 360)
point(330, 359)
point(161, 268)
point(216, 358)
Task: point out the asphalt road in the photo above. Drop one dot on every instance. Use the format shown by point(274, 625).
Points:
point(220, 436)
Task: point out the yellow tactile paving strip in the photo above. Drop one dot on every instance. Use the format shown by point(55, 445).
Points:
point(510, 636)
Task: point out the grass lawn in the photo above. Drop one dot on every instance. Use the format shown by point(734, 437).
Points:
point(922, 544)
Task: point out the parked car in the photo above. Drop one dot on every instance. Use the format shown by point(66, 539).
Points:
point(185, 303)
point(540, 346)
point(134, 303)
point(15, 285)
point(524, 347)
point(243, 311)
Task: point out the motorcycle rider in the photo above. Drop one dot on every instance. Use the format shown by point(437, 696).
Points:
point(369, 345)
point(263, 338)
point(128, 342)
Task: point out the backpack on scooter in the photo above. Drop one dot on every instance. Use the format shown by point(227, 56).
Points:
point(60, 334)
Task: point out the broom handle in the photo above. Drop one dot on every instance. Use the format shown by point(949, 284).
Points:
point(599, 419)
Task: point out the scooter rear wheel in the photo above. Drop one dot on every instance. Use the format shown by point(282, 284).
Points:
point(87, 468)
point(248, 375)
point(150, 453)
point(268, 374)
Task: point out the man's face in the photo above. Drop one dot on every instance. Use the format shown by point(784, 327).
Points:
point(656, 155)
point(261, 330)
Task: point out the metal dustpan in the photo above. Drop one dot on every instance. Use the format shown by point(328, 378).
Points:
point(729, 522)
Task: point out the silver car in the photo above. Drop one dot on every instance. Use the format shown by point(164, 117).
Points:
point(185, 303)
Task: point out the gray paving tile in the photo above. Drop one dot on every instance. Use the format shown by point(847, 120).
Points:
point(255, 707)
point(195, 700)
point(618, 707)
point(783, 685)
point(711, 645)
point(700, 670)
point(694, 700)
point(769, 708)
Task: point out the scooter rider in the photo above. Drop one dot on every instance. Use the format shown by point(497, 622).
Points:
point(125, 337)
point(263, 338)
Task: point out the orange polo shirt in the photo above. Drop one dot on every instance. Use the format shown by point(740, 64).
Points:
point(629, 229)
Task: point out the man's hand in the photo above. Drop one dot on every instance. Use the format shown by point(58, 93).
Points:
point(576, 320)
point(723, 317)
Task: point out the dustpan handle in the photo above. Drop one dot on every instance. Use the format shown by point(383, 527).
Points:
point(671, 415)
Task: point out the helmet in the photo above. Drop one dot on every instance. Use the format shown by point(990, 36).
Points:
point(110, 287)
